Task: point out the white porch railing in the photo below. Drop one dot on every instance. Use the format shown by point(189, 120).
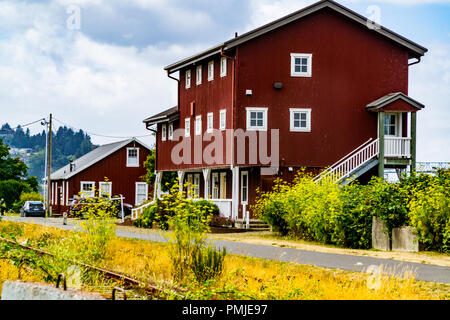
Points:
point(350, 162)
point(397, 147)
point(225, 206)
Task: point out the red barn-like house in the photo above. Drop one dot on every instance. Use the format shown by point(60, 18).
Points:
point(120, 162)
point(321, 87)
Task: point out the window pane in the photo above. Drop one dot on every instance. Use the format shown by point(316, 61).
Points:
point(303, 116)
point(303, 124)
point(296, 124)
point(304, 69)
point(296, 116)
point(298, 61)
point(260, 123)
point(253, 123)
point(304, 61)
point(260, 115)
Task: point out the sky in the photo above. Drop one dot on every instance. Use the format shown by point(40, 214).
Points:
point(104, 73)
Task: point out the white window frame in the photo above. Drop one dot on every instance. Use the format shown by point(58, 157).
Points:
point(101, 185)
point(195, 185)
point(210, 122)
point(170, 131)
point(257, 128)
point(189, 183)
point(215, 189)
point(136, 192)
point(198, 75)
point(164, 132)
point(223, 119)
point(188, 77)
point(87, 193)
point(308, 119)
point(132, 165)
point(244, 173)
point(198, 125)
point(308, 73)
point(398, 124)
point(211, 71)
point(187, 127)
point(223, 67)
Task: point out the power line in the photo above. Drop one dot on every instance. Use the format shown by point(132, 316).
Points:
point(97, 134)
point(24, 125)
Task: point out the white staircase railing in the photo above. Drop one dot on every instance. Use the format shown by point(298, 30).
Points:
point(137, 212)
point(355, 159)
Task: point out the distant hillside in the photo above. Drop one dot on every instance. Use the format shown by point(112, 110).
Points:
point(66, 145)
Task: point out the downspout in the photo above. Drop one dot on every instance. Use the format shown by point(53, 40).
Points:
point(177, 80)
point(156, 155)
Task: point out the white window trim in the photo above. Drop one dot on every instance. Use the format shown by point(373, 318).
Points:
point(211, 75)
point(223, 67)
point(170, 131)
point(164, 132)
point(244, 173)
point(257, 128)
point(308, 120)
point(67, 193)
point(84, 193)
point(136, 192)
point(187, 127)
point(198, 125)
point(223, 126)
point(188, 79)
point(301, 74)
point(223, 191)
point(131, 165)
point(196, 186)
point(101, 188)
point(198, 80)
point(210, 122)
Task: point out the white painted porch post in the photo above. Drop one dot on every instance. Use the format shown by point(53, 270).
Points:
point(157, 187)
point(180, 179)
point(206, 177)
point(235, 193)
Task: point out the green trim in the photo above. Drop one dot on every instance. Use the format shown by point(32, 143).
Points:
point(398, 162)
point(413, 140)
point(381, 144)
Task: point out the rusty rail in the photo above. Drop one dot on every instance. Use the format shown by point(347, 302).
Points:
point(134, 283)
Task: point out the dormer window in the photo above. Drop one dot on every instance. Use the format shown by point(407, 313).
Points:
point(301, 65)
point(132, 157)
point(199, 75)
point(211, 71)
point(188, 79)
point(223, 67)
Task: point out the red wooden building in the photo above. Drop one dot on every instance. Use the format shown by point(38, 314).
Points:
point(332, 83)
point(113, 169)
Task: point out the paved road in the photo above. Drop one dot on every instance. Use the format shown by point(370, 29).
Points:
point(424, 272)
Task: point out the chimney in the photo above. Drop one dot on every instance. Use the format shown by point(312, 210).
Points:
point(72, 166)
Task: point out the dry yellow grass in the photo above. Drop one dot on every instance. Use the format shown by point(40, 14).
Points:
point(251, 278)
point(12, 273)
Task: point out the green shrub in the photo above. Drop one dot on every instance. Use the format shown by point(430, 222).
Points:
point(10, 190)
point(429, 211)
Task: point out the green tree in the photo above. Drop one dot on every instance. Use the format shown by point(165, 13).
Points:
point(10, 168)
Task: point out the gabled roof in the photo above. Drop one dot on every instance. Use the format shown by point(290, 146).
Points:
point(392, 97)
point(415, 50)
point(171, 114)
point(91, 158)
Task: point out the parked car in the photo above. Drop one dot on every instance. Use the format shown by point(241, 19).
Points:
point(32, 209)
point(78, 204)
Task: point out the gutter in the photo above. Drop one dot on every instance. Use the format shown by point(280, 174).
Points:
point(177, 80)
point(418, 60)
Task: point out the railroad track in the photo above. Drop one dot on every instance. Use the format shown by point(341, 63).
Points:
point(139, 285)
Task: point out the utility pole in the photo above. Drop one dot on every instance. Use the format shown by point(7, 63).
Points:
point(49, 166)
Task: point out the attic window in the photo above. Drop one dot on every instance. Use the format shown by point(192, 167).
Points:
point(211, 71)
point(199, 75)
point(223, 67)
point(301, 65)
point(132, 157)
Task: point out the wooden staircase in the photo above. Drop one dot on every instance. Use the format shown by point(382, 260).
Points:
point(353, 165)
point(254, 225)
